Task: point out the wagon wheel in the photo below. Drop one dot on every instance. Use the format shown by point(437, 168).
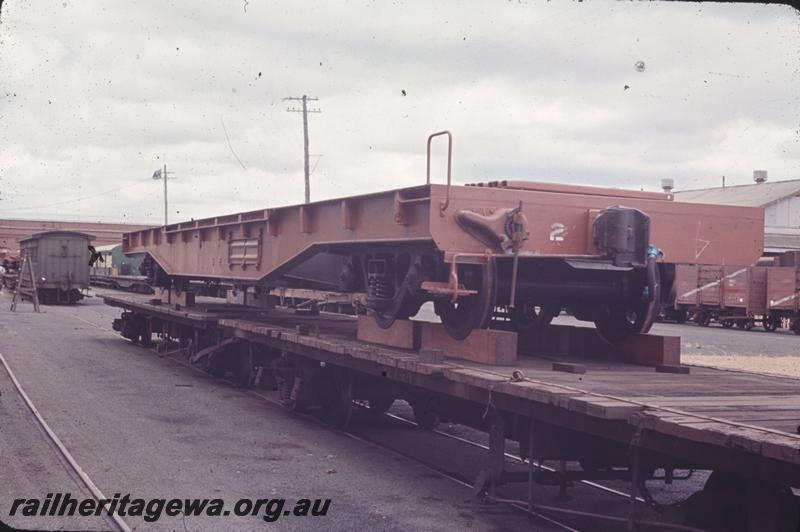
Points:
point(409, 306)
point(528, 315)
point(703, 319)
point(384, 319)
point(406, 303)
point(720, 505)
point(771, 323)
point(473, 311)
point(144, 336)
point(379, 406)
point(616, 323)
point(244, 367)
point(217, 365)
point(424, 416)
point(727, 323)
point(337, 398)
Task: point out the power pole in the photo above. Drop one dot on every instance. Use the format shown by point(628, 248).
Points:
point(305, 110)
point(166, 210)
point(161, 173)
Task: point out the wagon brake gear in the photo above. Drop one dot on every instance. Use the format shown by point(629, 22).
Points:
point(460, 316)
point(516, 225)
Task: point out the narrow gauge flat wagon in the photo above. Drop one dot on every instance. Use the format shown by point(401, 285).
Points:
point(115, 270)
point(567, 398)
point(527, 249)
point(60, 264)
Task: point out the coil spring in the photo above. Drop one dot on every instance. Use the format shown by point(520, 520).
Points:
point(380, 287)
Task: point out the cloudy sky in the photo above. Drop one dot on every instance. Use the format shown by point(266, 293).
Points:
point(93, 95)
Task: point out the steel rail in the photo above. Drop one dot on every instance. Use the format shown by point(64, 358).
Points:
point(518, 505)
point(95, 491)
point(615, 519)
point(520, 460)
point(523, 505)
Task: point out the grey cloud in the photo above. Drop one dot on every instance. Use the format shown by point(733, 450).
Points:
point(530, 90)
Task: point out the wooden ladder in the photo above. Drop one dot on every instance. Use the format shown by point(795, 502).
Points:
point(26, 286)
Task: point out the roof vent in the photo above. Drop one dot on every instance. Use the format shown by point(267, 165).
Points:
point(759, 176)
point(667, 184)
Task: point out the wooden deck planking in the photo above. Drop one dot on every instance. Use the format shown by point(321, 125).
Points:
point(759, 413)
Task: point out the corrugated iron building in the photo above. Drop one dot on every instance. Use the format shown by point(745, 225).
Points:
point(781, 202)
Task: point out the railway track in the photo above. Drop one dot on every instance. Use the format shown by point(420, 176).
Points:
point(524, 505)
point(541, 466)
point(67, 459)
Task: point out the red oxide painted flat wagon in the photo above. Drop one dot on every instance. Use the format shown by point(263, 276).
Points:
point(522, 249)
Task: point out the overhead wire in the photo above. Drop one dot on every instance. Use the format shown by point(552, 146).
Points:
point(65, 202)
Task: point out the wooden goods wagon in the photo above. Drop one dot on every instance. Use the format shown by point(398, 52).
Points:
point(60, 263)
point(783, 289)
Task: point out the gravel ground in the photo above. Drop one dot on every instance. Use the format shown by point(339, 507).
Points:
point(788, 366)
point(755, 351)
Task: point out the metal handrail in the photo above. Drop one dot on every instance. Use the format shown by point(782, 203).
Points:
point(443, 205)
